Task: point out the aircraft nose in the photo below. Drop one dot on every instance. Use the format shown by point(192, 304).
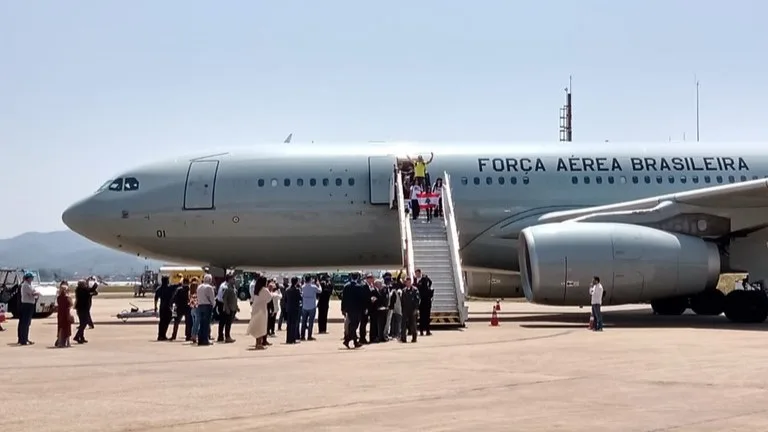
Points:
point(74, 217)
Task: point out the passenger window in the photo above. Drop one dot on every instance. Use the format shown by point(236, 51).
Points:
point(287, 182)
point(743, 178)
point(659, 179)
point(117, 185)
point(695, 179)
point(683, 179)
point(299, 182)
point(326, 182)
point(754, 177)
point(731, 179)
point(574, 180)
point(707, 179)
point(586, 179)
point(273, 182)
point(526, 180)
point(513, 180)
point(610, 179)
point(599, 179)
point(476, 181)
point(648, 179)
point(312, 182)
point(719, 179)
point(338, 182)
point(489, 181)
point(131, 184)
point(623, 180)
point(464, 181)
point(635, 180)
point(351, 181)
point(671, 179)
point(501, 180)
point(261, 182)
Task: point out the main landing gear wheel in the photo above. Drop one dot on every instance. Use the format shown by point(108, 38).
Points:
point(670, 306)
point(742, 306)
point(710, 302)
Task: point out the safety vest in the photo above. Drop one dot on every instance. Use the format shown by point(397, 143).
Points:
point(427, 200)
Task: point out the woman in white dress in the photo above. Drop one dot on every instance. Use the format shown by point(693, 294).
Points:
point(257, 327)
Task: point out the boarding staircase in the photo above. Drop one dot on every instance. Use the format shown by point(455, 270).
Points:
point(433, 247)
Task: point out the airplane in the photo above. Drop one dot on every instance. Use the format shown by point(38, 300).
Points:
point(657, 222)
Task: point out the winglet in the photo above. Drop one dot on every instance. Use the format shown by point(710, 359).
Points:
point(288, 138)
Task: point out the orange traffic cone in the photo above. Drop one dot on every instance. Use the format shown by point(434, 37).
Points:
point(498, 304)
point(494, 318)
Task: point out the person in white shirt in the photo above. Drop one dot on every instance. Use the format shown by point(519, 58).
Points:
point(206, 300)
point(596, 292)
point(309, 293)
point(29, 297)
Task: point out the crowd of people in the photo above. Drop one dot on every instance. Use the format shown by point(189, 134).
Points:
point(83, 300)
point(375, 310)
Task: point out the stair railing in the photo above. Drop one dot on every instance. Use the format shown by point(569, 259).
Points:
point(406, 236)
point(453, 244)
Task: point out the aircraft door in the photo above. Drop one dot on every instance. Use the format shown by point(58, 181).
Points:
point(201, 185)
point(381, 170)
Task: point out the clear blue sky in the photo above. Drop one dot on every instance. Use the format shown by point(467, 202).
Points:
point(88, 89)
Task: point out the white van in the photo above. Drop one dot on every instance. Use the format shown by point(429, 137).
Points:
point(10, 280)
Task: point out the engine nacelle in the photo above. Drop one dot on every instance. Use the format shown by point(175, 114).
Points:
point(635, 263)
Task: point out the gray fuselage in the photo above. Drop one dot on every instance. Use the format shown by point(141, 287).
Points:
point(306, 209)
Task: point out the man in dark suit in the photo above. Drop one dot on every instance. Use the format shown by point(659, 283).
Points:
point(323, 303)
point(292, 311)
point(410, 304)
point(83, 302)
point(164, 296)
point(351, 308)
point(181, 301)
point(424, 284)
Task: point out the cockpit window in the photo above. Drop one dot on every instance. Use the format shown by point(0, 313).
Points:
point(131, 184)
point(116, 185)
point(104, 186)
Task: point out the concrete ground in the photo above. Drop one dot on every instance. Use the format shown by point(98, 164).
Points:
point(541, 370)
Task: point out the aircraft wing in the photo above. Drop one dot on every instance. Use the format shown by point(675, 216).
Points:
point(714, 200)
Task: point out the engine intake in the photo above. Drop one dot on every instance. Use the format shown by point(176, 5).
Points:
point(635, 263)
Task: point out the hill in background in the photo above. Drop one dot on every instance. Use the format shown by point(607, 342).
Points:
point(68, 254)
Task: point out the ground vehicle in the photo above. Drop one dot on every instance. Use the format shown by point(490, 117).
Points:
point(338, 280)
point(173, 273)
point(149, 280)
point(10, 281)
point(243, 281)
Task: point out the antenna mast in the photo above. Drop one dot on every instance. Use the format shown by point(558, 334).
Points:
point(566, 115)
point(697, 107)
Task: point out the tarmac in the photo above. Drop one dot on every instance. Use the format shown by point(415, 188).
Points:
point(540, 370)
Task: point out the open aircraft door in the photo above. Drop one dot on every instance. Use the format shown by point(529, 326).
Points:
point(381, 172)
point(201, 185)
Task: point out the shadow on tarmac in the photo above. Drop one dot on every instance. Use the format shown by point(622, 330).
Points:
point(633, 318)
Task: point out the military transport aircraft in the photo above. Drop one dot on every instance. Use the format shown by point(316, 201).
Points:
point(657, 222)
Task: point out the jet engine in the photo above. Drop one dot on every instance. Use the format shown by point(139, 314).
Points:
point(634, 263)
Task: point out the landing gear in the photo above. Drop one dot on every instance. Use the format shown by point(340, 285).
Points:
point(670, 306)
point(709, 302)
point(746, 306)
